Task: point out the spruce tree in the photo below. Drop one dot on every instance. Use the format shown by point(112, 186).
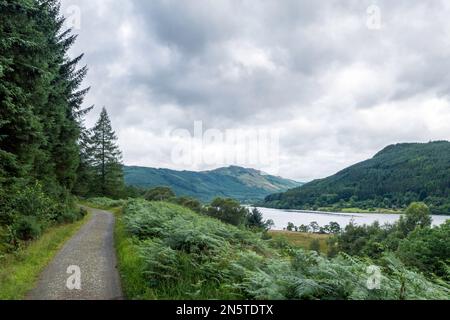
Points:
point(106, 158)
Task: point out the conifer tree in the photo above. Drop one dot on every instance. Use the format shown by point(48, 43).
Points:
point(106, 158)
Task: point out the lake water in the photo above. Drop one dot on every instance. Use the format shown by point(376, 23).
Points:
point(298, 217)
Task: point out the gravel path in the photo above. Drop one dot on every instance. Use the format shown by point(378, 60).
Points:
point(92, 250)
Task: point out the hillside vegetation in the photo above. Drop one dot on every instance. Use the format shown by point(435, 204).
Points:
point(232, 182)
point(174, 253)
point(395, 177)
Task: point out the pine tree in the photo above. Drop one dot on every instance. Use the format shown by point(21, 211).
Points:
point(106, 158)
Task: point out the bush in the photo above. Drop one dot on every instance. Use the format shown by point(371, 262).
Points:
point(159, 194)
point(228, 211)
point(190, 203)
point(315, 245)
point(27, 227)
point(428, 250)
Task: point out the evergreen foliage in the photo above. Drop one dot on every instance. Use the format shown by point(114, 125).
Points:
point(105, 158)
point(40, 117)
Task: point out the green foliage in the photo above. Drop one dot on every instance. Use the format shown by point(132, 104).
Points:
point(40, 118)
point(412, 239)
point(255, 221)
point(417, 215)
point(159, 194)
point(428, 250)
point(246, 185)
point(394, 178)
point(315, 245)
point(189, 203)
point(227, 210)
point(105, 159)
point(190, 256)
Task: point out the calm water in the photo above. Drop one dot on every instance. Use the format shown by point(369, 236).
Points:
point(297, 217)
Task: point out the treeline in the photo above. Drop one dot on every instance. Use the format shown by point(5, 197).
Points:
point(45, 152)
point(394, 178)
point(412, 240)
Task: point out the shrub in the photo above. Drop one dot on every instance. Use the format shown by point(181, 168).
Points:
point(227, 210)
point(315, 245)
point(159, 194)
point(27, 227)
point(190, 203)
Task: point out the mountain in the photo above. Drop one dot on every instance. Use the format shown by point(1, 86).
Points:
point(243, 184)
point(393, 178)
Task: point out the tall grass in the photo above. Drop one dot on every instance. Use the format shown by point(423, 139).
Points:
point(184, 255)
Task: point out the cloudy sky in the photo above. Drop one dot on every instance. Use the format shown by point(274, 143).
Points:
point(337, 80)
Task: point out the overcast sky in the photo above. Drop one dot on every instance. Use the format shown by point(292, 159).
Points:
point(337, 83)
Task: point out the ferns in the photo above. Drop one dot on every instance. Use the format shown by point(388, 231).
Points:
point(187, 255)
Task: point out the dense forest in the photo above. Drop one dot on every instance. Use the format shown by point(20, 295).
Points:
point(46, 153)
point(395, 177)
point(242, 184)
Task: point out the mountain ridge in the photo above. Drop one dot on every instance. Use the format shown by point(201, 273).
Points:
point(393, 178)
point(243, 184)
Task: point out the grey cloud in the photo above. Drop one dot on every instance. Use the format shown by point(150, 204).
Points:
point(312, 69)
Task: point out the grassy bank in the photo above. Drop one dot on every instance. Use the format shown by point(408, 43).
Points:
point(19, 271)
point(302, 240)
point(169, 252)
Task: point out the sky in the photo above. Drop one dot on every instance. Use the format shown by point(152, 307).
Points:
point(307, 87)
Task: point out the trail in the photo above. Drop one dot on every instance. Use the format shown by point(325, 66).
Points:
point(91, 252)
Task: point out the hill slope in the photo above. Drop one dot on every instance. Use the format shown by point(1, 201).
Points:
point(394, 177)
point(234, 182)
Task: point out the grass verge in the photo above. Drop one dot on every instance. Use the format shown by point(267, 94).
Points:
point(131, 266)
point(20, 271)
point(302, 240)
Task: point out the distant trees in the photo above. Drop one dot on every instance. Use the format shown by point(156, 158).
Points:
point(313, 227)
point(412, 239)
point(159, 194)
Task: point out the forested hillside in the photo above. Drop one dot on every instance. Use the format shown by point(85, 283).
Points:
point(45, 151)
point(393, 178)
point(233, 182)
